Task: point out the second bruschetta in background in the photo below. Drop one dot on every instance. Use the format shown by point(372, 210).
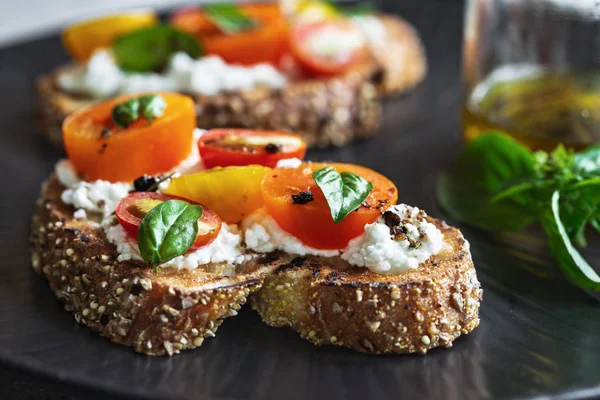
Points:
point(318, 73)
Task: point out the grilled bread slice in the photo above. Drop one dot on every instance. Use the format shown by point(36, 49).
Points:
point(128, 302)
point(327, 301)
point(325, 112)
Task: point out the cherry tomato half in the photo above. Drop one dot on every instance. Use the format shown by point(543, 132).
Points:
point(326, 48)
point(132, 209)
point(266, 43)
point(226, 147)
point(312, 222)
point(83, 38)
point(100, 150)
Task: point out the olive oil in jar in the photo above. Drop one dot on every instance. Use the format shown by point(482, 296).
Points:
point(540, 109)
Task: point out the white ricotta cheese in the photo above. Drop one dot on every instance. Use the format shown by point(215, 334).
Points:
point(226, 248)
point(289, 163)
point(263, 235)
point(385, 253)
point(101, 77)
point(331, 42)
point(99, 196)
point(372, 28)
point(66, 174)
point(80, 214)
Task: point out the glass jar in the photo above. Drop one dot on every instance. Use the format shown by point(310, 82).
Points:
point(531, 69)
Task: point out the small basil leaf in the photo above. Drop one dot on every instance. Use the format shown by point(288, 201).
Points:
point(149, 49)
point(125, 114)
point(481, 172)
point(168, 231)
point(228, 18)
point(152, 106)
point(512, 191)
point(569, 259)
point(578, 206)
point(344, 192)
point(587, 162)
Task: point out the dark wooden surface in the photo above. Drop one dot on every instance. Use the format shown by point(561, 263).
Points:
point(539, 337)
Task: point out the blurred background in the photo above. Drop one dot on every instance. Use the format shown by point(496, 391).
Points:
point(27, 19)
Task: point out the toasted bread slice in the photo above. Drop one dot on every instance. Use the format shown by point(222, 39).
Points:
point(325, 112)
point(330, 302)
point(128, 302)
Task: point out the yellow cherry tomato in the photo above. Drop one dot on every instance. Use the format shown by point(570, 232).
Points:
point(82, 39)
point(311, 11)
point(232, 192)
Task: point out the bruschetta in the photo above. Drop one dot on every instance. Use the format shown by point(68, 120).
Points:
point(152, 232)
point(320, 78)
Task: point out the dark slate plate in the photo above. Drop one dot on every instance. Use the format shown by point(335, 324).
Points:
point(539, 336)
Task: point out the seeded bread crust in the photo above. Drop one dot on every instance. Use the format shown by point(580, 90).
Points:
point(328, 301)
point(155, 313)
point(325, 112)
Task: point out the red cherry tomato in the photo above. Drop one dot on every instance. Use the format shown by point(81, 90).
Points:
point(227, 147)
point(326, 48)
point(133, 208)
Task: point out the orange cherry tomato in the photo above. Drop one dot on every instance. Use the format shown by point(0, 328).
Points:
point(132, 209)
point(100, 150)
point(266, 43)
point(312, 222)
point(225, 147)
point(326, 48)
point(82, 39)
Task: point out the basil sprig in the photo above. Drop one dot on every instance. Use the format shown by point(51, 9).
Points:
point(228, 18)
point(344, 192)
point(499, 185)
point(168, 231)
point(149, 107)
point(149, 49)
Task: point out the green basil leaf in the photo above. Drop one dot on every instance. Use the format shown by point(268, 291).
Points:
point(483, 170)
point(344, 192)
point(595, 221)
point(149, 49)
point(125, 114)
point(228, 18)
point(569, 259)
point(152, 106)
point(587, 162)
point(512, 191)
point(578, 206)
point(168, 231)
